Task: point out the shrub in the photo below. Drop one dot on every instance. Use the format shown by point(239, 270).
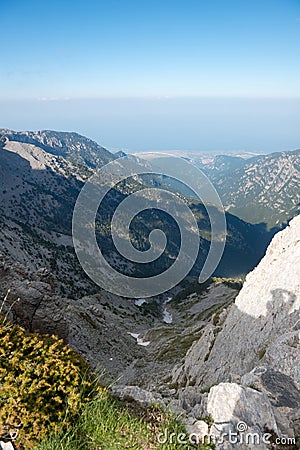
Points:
point(43, 383)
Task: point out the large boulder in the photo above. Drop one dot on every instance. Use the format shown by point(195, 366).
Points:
point(283, 394)
point(240, 413)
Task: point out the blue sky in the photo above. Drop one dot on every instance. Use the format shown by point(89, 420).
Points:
point(194, 75)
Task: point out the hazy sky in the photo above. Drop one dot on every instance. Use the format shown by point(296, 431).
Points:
point(146, 75)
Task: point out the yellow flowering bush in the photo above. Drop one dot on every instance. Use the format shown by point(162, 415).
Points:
point(42, 383)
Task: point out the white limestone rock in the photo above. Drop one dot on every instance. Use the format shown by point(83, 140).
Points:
point(198, 430)
point(141, 396)
point(262, 325)
point(6, 446)
point(240, 411)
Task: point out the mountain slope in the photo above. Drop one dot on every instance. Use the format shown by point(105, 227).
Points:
point(72, 146)
point(254, 347)
point(265, 311)
point(261, 189)
point(38, 189)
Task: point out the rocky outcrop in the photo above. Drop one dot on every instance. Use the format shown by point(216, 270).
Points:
point(30, 300)
point(140, 396)
point(237, 409)
point(262, 326)
point(98, 326)
point(253, 349)
point(283, 394)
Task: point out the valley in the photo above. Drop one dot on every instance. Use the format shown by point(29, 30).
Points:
point(175, 348)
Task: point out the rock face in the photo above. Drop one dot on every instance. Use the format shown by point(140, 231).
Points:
point(262, 328)
point(141, 396)
point(283, 393)
point(243, 410)
point(30, 299)
point(263, 324)
point(95, 325)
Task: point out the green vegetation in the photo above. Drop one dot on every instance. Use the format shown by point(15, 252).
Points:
point(109, 424)
point(233, 283)
point(192, 287)
point(177, 347)
point(44, 384)
point(261, 353)
point(49, 400)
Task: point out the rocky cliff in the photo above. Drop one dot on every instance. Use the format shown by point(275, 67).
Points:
point(261, 326)
point(253, 349)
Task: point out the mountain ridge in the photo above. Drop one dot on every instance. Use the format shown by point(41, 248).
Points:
point(39, 189)
point(263, 188)
point(203, 350)
point(71, 145)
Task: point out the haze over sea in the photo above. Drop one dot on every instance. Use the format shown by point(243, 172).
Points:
point(172, 75)
point(152, 124)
